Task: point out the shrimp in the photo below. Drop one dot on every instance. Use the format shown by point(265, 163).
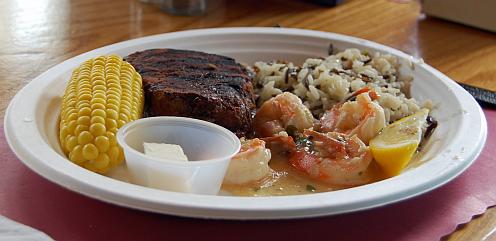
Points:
point(332, 158)
point(251, 164)
point(361, 117)
point(281, 112)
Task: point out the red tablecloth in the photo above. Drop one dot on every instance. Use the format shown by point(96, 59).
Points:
point(64, 215)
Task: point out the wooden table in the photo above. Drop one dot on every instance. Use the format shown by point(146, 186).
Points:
point(36, 35)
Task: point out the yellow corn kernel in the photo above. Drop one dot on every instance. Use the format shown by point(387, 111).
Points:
point(85, 96)
point(71, 126)
point(99, 112)
point(102, 95)
point(113, 107)
point(113, 153)
point(85, 137)
point(99, 95)
point(83, 120)
point(72, 116)
point(85, 111)
point(102, 143)
point(90, 152)
point(97, 106)
point(79, 129)
point(71, 143)
point(97, 129)
point(76, 155)
point(110, 123)
point(102, 161)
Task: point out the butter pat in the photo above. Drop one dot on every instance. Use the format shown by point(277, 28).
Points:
point(165, 151)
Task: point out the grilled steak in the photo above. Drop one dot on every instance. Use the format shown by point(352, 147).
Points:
point(194, 84)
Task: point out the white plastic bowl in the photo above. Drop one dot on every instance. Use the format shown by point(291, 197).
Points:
point(208, 146)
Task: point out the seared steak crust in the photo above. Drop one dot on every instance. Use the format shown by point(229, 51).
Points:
point(194, 84)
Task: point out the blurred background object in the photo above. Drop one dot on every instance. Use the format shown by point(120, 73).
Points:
point(477, 13)
point(327, 2)
point(201, 7)
point(184, 7)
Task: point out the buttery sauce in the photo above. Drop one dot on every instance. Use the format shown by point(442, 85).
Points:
point(424, 153)
point(285, 180)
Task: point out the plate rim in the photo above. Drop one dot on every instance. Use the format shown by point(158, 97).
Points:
point(235, 209)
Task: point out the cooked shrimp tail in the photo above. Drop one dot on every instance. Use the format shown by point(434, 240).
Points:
point(251, 164)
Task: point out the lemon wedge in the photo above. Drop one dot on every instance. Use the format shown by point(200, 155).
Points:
point(395, 145)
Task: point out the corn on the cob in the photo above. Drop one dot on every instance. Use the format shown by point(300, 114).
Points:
point(102, 95)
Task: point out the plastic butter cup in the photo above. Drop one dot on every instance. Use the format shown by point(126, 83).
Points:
point(209, 148)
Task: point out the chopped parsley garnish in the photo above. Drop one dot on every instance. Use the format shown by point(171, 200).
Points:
point(305, 143)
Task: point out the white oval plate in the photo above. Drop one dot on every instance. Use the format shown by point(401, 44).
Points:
point(31, 129)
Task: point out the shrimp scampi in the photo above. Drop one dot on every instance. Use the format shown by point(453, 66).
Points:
point(332, 158)
point(362, 117)
point(281, 112)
